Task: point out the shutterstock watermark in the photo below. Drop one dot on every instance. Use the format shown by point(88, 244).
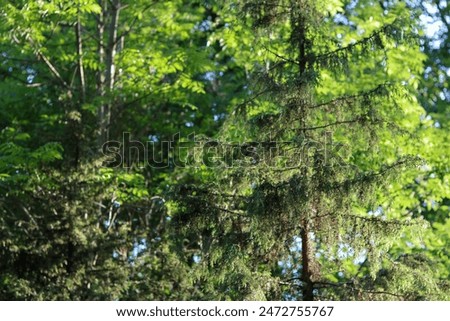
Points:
point(197, 151)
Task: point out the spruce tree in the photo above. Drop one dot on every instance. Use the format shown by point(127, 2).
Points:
point(290, 205)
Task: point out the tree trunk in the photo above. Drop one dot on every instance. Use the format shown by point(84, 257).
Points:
point(307, 262)
point(107, 56)
point(78, 32)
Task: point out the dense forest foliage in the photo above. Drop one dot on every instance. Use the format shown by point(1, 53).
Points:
point(224, 150)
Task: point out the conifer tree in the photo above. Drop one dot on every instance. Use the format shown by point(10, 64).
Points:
point(290, 205)
point(73, 75)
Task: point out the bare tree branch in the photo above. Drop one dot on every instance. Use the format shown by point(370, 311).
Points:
point(78, 32)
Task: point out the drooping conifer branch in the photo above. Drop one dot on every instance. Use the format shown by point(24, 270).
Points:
point(380, 91)
point(337, 59)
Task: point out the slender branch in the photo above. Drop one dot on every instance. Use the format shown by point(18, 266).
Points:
point(349, 98)
point(342, 122)
point(384, 292)
point(279, 56)
point(247, 101)
point(364, 40)
point(20, 59)
point(6, 74)
point(52, 68)
point(442, 15)
point(322, 284)
point(54, 71)
point(227, 210)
